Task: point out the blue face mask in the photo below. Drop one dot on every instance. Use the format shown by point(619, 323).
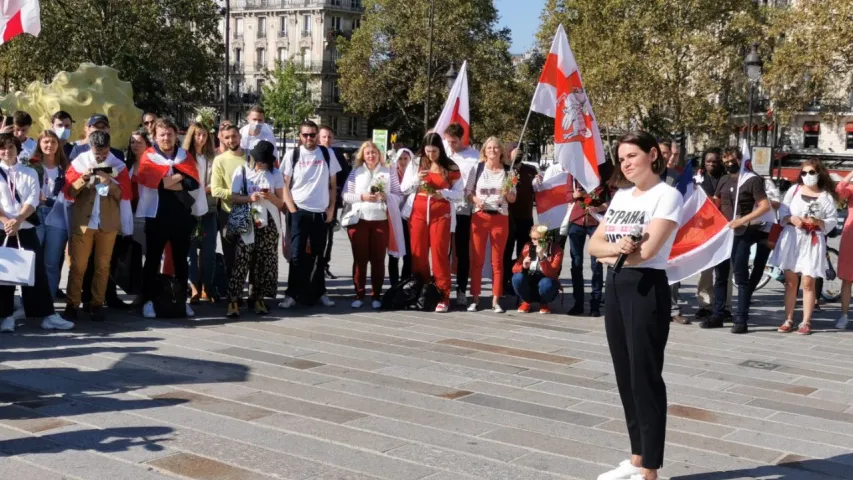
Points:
point(63, 133)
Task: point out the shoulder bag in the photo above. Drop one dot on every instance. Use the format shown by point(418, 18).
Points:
point(240, 218)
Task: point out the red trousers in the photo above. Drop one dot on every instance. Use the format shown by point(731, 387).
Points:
point(431, 238)
point(369, 241)
point(488, 227)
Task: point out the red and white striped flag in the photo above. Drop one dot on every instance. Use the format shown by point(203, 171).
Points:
point(552, 197)
point(456, 108)
point(18, 17)
point(560, 95)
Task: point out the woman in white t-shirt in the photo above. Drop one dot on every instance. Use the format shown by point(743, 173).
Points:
point(368, 189)
point(637, 312)
point(262, 186)
point(53, 231)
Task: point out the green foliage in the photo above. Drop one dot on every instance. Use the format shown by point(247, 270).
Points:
point(286, 99)
point(169, 50)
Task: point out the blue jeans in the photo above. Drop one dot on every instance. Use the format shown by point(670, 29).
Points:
point(739, 262)
point(546, 288)
point(202, 275)
point(54, 243)
point(577, 240)
point(41, 213)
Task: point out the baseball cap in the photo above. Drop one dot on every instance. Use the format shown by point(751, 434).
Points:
point(98, 118)
point(264, 152)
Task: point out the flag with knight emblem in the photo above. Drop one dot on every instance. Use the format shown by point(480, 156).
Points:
point(561, 96)
point(456, 109)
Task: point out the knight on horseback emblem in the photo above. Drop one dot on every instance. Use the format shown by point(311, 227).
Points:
point(575, 108)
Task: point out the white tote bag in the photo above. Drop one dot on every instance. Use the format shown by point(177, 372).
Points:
point(17, 266)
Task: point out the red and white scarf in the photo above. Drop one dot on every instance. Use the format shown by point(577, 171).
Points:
point(85, 162)
point(153, 167)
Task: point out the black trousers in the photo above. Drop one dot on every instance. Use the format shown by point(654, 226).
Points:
point(519, 236)
point(636, 319)
point(394, 262)
point(327, 255)
point(306, 278)
point(463, 247)
point(37, 300)
point(176, 231)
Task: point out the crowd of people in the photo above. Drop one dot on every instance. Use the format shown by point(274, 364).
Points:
point(446, 208)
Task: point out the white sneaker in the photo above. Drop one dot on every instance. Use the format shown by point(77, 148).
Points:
point(148, 310)
point(625, 471)
point(55, 322)
point(497, 308)
point(326, 301)
point(288, 302)
point(376, 304)
point(461, 299)
point(473, 307)
point(441, 308)
point(19, 314)
point(357, 304)
point(842, 322)
point(8, 325)
point(190, 312)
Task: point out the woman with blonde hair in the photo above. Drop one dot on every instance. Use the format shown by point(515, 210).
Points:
point(490, 189)
point(368, 191)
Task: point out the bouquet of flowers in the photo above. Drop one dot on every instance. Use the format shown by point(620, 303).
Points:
point(428, 188)
point(811, 221)
point(378, 185)
point(510, 182)
point(544, 237)
point(206, 117)
point(591, 200)
point(258, 215)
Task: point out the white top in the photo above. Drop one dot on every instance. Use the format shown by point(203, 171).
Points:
point(255, 181)
point(359, 182)
point(95, 218)
point(248, 142)
point(50, 175)
point(773, 195)
point(28, 147)
point(25, 181)
point(467, 161)
point(798, 250)
point(489, 189)
point(626, 211)
point(310, 179)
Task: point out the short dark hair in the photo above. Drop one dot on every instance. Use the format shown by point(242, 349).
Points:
point(257, 109)
point(309, 124)
point(664, 143)
point(22, 119)
point(645, 142)
point(733, 152)
point(149, 113)
point(326, 127)
point(165, 123)
point(99, 139)
point(6, 138)
point(712, 151)
point(61, 115)
point(455, 130)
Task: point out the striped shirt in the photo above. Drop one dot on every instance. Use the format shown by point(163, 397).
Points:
point(489, 189)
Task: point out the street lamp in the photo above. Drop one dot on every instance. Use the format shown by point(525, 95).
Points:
point(752, 66)
point(227, 13)
point(451, 77)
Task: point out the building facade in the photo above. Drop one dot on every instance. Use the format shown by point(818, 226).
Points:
point(263, 32)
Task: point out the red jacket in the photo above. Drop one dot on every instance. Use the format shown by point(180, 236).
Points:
point(550, 267)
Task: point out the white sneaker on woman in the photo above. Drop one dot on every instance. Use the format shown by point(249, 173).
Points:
point(148, 310)
point(357, 304)
point(376, 304)
point(842, 322)
point(55, 322)
point(189, 311)
point(473, 307)
point(326, 301)
point(287, 302)
point(7, 325)
point(441, 308)
point(497, 308)
point(625, 471)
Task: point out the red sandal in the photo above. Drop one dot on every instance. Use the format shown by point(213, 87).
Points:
point(805, 329)
point(786, 327)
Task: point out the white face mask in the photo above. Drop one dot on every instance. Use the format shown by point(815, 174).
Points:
point(254, 128)
point(810, 180)
point(63, 133)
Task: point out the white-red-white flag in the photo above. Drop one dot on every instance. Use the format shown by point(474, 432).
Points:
point(456, 108)
point(18, 17)
point(560, 95)
point(552, 199)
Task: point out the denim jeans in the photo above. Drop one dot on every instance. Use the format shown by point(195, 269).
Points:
point(306, 280)
point(739, 263)
point(41, 213)
point(202, 274)
point(535, 287)
point(54, 243)
point(577, 241)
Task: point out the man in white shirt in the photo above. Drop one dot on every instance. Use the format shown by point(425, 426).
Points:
point(466, 158)
point(256, 131)
point(309, 195)
point(22, 122)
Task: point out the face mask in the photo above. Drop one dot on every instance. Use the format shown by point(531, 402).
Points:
point(810, 180)
point(733, 168)
point(254, 128)
point(63, 133)
point(102, 190)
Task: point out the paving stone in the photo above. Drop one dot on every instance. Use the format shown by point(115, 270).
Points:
point(332, 432)
point(534, 409)
point(522, 394)
point(791, 398)
point(559, 446)
point(29, 420)
point(802, 410)
point(201, 468)
point(298, 407)
point(512, 352)
point(297, 363)
point(14, 468)
point(386, 380)
point(87, 465)
point(569, 380)
point(467, 464)
point(213, 405)
point(345, 475)
point(801, 447)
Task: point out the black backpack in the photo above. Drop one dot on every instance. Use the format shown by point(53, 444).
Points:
point(404, 295)
point(298, 149)
point(171, 298)
point(429, 298)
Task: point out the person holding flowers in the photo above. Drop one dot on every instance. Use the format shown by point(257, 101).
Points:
point(490, 188)
point(807, 213)
point(369, 194)
point(536, 272)
point(583, 220)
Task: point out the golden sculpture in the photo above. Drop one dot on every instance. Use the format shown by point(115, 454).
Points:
point(89, 90)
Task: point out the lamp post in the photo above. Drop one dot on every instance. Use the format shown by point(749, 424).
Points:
point(429, 65)
point(752, 66)
point(227, 58)
point(450, 76)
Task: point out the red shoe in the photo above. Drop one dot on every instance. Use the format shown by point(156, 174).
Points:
point(544, 309)
point(524, 307)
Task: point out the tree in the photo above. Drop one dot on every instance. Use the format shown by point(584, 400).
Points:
point(169, 50)
point(286, 99)
point(812, 56)
point(383, 66)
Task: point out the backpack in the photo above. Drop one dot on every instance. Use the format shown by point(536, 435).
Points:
point(429, 298)
point(298, 149)
point(482, 166)
point(171, 298)
point(403, 296)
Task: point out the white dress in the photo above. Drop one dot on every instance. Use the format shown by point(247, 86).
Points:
point(798, 250)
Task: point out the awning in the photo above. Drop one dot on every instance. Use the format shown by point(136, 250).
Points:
point(849, 127)
point(811, 127)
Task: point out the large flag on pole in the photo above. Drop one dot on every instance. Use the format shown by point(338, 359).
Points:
point(703, 239)
point(18, 17)
point(560, 95)
point(552, 199)
point(456, 108)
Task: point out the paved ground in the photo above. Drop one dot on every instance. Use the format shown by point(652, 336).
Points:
point(343, 395)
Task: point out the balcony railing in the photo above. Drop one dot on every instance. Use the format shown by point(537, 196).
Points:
point(333, 100)
point(316, 67)
point(347, 5)
point(334, 33)
point(262, 34)
point(282, 33)
point(306, 33)
point(236, 67)
point(260, 67)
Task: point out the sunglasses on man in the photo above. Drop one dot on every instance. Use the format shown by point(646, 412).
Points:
point(308, 135)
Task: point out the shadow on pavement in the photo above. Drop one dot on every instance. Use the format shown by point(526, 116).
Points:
point(110, 440)
point(791, 467)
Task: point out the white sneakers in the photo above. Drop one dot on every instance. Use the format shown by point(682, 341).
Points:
point(287, 302)
point(190, 312)
point(148, 310)
point(7, 325)
point(326, 301)
point(473, 307)
point(625, 471)
point(497, 308)
point(357, 304)
point(441, 308)
point(842, 322)
point(55, 322)
point(376, 304)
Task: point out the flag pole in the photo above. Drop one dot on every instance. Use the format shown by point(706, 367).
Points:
point(520, 138)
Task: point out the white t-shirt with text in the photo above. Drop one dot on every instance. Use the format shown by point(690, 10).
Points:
point(627, 210)
point(310, 178)
point(256, 181)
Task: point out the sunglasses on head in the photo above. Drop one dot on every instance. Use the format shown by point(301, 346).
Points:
point(808, 172)
point(308, 135)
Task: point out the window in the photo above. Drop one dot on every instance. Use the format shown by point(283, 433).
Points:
point(282, 26)
point(282, 55)
point(238, 56)
point(334, 91)
point(336, 23)
point(259, 84)
point(335, 3)
point(261, 59)
point(238, 27)
point(811, 134)
point(356, 24)
point(306, 24)
point(262, 27)
point(333, 123)
point(356, 3)
point(352, 127)
point(849, 130)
